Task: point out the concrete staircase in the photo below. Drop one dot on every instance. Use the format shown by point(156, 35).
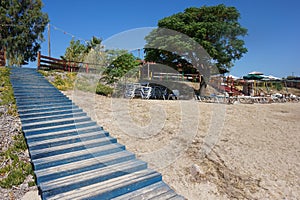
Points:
point(73, 157)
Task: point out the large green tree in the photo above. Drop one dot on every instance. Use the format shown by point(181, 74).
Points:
point(22, 24)
point(120, 62)
point(78, 51)
point(215, 28)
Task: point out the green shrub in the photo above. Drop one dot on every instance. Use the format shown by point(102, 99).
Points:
point(6, 92)
point(278, 86)
point(104, 90)
point(15, 170)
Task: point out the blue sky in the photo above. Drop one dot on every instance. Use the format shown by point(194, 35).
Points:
point(273, 27)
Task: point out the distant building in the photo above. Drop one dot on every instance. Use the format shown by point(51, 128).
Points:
point(293, 82)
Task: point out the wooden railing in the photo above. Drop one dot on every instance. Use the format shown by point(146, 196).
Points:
point(2, 58)
point(49, 63)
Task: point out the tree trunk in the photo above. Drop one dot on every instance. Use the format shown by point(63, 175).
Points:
point(203, 85)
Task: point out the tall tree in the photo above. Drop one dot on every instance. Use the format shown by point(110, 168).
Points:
point(78, 51)
point(22, 24)
point(120, 62)
point(215, 28)
point(75, 52)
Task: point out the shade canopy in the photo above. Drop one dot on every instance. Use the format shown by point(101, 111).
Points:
point(270, 78)
point(253, 77)
point(256, 73)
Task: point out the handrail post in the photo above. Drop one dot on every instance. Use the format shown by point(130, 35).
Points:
point(39, 60)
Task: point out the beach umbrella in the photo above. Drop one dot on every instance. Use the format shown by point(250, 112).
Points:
point(253, 77)
point(256, 73)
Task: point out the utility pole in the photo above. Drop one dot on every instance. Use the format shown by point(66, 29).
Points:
point(49, 46)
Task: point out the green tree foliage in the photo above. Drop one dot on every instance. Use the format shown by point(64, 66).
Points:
point(121, 63)
point(78, 51)
point(215, 28)
point(22, 24)
point(75, 52)
point(93, 44)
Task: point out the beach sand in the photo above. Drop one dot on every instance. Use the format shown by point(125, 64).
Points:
point(206, 150)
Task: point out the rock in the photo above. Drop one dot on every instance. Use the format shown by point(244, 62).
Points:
point(196, 171)
point(31, 195)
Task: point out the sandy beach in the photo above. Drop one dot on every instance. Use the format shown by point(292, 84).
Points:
point(207, 150)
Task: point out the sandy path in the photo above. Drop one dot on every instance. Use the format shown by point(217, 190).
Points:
point(256, 155)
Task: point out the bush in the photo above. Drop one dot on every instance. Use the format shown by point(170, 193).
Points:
point(278, 86)
point(104, 90)
point(60, 79)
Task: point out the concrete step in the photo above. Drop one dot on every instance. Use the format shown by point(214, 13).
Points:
point(52, 173)
point(63, 127)
point(40, 94)
point(65, 140)
point(64, 116)
point(42, 102)
point(50, 113)
point(21, 91)
point(35, 100)
point(65, 134)
point(71, 147)
point(45, 105)
point(55, 122)
point(81, 155)
point(111, 188)
point(75, 181)
point(153, 191)
point(47, 110)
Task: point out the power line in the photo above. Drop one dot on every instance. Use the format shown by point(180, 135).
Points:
point(68, 33)
point(52, 25)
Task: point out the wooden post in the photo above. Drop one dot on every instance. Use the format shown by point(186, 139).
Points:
point(4, 55)
point(87, 68)
point(39, 60)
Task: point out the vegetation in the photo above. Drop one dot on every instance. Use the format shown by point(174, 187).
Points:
point(104, 90)
point(61, 80)
point(6, 92)
point(16, 170)
point(77, 51)
point(66, 81)
point(112, 64)
point(215, 28)
point(21, 32)
point(120, 65)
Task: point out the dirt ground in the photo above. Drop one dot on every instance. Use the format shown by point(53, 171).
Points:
point(208, 151)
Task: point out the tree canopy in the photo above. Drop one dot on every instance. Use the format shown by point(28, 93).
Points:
point(22, 24)
point(121, 62)
point(78, 51)
point(215, 28)
point(113, 63)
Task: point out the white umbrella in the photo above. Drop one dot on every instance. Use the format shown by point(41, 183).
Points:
point(233, 77)
point(256, 73)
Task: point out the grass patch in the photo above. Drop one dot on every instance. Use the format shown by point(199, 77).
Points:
point(66, 81)
point(59, 79)
point(6, 92)
point(16, 170)
point(104, 90)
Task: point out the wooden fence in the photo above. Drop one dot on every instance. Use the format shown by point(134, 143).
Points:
point(2, 58)
point(49, 63)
